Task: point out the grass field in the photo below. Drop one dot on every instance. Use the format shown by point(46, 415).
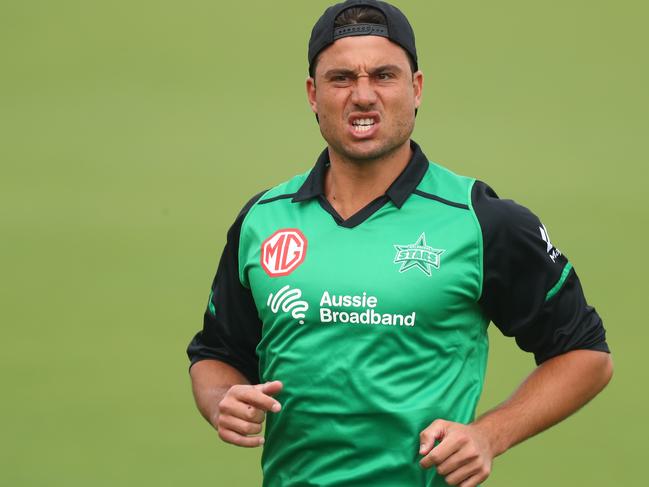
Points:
point(132, 133)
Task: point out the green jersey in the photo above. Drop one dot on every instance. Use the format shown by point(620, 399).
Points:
point(377, 324)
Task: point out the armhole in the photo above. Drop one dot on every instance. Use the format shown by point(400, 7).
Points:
point(479, 239)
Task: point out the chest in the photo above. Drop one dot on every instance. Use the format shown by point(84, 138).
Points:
point(414, 267)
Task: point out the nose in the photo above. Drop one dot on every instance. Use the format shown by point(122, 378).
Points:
point(363, 93)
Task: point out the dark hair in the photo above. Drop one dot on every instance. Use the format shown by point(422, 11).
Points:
point(359, 15)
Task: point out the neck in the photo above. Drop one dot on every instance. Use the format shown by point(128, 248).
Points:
point(351, 184)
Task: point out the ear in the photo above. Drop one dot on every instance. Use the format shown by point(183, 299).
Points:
point(310, 94)
point(418, 87)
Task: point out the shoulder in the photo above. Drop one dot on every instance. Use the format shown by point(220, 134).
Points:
point(501, 216)
point(446, 186)
point(283, 190)
point(511, 231)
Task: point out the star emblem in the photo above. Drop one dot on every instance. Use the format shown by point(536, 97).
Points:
point(418, 255)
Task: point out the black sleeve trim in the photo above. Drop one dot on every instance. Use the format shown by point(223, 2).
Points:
point(520, 268)
point(231, 325)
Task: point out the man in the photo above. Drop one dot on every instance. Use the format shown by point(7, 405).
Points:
point(351, 302)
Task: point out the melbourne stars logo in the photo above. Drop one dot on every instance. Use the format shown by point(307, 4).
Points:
point(418, 255)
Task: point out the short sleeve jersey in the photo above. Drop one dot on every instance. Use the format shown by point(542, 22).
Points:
point(377, 325)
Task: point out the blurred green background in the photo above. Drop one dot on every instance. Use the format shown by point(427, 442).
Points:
point(132, 133)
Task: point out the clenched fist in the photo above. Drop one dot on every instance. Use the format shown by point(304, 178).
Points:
point(242, 411)
point(463, 455)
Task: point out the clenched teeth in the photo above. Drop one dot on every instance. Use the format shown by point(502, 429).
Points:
point(363, 121)
point(363, 124)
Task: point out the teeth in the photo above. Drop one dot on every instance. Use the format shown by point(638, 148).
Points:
point(363, 121)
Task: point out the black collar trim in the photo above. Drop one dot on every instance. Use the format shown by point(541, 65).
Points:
point(398, 192)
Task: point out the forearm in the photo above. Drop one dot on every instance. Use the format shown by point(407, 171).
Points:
point(211, 380)
point(553, 391)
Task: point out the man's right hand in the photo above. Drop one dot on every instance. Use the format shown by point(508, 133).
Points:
point(243, 409)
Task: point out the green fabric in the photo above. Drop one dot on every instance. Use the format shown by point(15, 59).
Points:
point(357, 395)
point(211, 303)
point(564, 275)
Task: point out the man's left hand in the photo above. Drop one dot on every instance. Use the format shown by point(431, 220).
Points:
point(463, 455)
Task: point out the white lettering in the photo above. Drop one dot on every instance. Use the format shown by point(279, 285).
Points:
point(376, 315)
point(366, 314)
point(410, 319)
point(326, 299)
point(348, 301)
point(325, 315)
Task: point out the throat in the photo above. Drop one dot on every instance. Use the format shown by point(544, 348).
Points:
point(349, 186)
point(348, 200)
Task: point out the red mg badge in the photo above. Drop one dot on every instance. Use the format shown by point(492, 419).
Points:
point(283, 252)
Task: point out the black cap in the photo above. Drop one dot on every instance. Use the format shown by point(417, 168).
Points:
point(398, 28)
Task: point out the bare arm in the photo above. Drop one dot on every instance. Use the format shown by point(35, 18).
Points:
point(552, 392)
point(234, 407)
point(211, 380)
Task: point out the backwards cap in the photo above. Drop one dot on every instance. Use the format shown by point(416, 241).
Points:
point(398, 28)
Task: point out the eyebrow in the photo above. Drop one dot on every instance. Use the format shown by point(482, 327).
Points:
point(378, 69)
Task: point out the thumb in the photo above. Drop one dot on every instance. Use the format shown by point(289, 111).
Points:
point(271, 388)
point(434, 432)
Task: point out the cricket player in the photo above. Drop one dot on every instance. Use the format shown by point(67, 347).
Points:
point(350, 307)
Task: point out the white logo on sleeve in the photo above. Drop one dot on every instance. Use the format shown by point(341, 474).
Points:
point(288, 300)
point(552, 251)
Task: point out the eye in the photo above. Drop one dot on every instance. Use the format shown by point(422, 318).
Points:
point(385, 76)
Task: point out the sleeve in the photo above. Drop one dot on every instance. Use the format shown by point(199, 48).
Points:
point(530, 290)
point(231, 325)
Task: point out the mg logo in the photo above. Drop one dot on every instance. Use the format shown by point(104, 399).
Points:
point(283, 252)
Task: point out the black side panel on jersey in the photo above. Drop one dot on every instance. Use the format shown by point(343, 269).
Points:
point(529, 289)
point(231, 327)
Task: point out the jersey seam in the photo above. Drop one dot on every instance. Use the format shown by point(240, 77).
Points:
point(275, 198)
point(243, 224)
point(479, 239)
point(439, 199)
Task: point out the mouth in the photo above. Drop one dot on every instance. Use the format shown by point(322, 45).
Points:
point(364, 124)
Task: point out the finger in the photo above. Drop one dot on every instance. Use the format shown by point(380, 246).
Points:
point(430, 435)
point(447, 447)
point(452, 463)
point(271, 388)
point(453, 441)
point(234, 438)
point(461, 474)
point(239, 425)
point(234, 406)
point(254, 397)
point(474, 481)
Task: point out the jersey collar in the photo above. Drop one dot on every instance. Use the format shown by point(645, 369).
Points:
point(398, 192)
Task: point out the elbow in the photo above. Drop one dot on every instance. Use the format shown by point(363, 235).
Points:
point(607, 369)
point(601, 370)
